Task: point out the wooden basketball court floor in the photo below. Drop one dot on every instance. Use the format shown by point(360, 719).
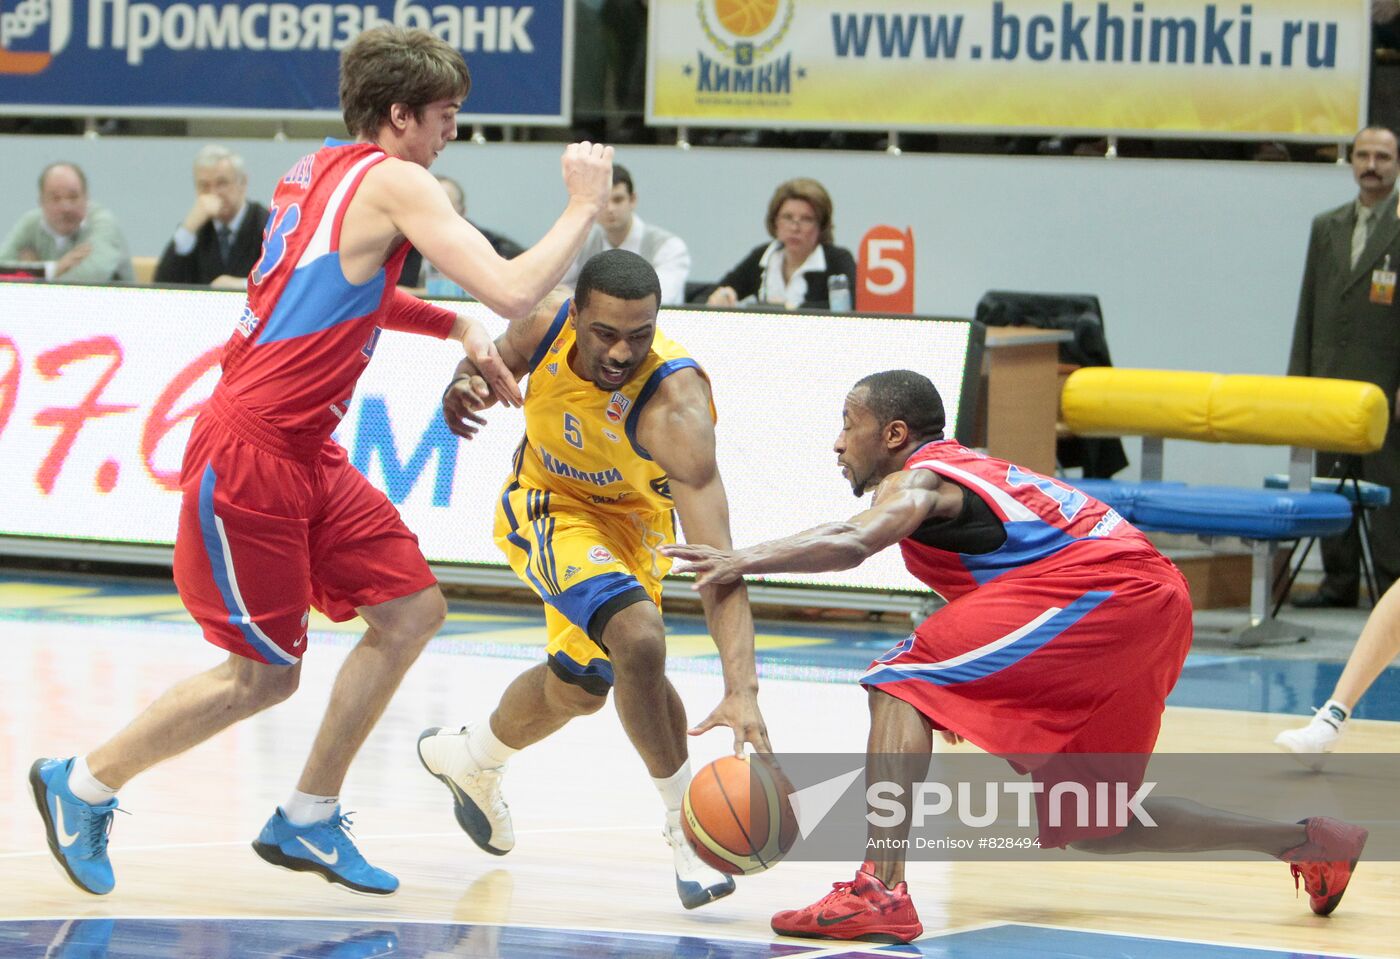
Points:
point(590, 875)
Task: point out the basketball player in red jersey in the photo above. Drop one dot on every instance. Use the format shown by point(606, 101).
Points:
point(274, 519)
point(1064, 632)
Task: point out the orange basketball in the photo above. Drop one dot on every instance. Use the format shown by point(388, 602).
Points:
point(737, 816)
point(745, 18)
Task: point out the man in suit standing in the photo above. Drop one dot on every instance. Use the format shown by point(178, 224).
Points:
point(220, 239)
point(75, 240)
point(1348, 327)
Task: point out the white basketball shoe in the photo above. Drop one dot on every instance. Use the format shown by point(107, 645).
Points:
point(697, 883)
point(476, 790)
point(1311, 743)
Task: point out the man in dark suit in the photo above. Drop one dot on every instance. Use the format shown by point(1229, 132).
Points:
point(1349, 327)
point(415, 276)
point(220, 239)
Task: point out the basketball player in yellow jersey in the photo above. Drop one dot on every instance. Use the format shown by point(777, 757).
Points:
point(619, 432)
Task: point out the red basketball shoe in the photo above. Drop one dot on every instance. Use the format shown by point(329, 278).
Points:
point(1326, 860)
point(863, 908)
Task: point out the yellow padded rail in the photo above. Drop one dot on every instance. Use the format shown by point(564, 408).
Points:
point(1343, 416)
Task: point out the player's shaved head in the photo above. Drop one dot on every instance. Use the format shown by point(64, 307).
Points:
point(618, 273)
point(907, 396)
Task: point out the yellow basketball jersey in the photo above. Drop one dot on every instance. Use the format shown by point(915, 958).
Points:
point(581, 440)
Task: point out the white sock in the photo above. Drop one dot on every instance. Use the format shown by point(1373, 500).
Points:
point(304, 809)
point(1335, 712)
point(488, 751)
point(672, 789)
point(87, 787)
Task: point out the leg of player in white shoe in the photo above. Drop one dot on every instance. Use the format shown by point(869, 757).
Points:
point(1376, 648)
point(654, 719)
point(472, 760)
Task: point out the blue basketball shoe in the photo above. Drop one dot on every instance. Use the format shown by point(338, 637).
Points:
point(77, 832)
point(325, 848)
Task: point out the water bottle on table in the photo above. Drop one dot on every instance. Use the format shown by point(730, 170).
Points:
point(838, 293)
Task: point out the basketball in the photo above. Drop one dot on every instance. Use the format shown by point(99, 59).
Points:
point(732, 828)
point(745, 18)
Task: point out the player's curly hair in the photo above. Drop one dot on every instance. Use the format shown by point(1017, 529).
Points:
point(618, 273)
point(908, 396)
point(388, 65)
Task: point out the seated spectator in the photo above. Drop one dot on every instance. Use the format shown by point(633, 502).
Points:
point(418, 274)
point(794, 268)
point(620, 227)
point(220, 239)
point(76, 241)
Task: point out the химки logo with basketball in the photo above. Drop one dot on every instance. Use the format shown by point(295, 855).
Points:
point(31, 33)
point(752, 61)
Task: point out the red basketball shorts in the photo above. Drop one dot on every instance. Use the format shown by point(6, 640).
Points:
point(271, 525)
point(1076, 660)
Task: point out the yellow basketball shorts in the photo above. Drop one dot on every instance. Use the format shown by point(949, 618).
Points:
point(582, 562)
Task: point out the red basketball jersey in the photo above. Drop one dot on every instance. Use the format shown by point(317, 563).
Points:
point(306, 332)
point(1046, 522)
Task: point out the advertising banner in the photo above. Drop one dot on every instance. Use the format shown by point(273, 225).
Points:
point(1277, 69)
point(207, 58)
point(99, 388)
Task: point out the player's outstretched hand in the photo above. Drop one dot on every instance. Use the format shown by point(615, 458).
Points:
point(739, 711)
point(950, 737)
point(711, 566)
point(462, 403)
point(482, 352)
point(588, 172)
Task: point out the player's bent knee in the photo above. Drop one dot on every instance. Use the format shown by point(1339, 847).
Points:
point(639, 653)
point(410, 620)
point(629, 628)
point(574, 700)
point(257, 686)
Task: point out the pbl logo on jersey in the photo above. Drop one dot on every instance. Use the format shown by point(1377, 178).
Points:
point(618, 407)
point(32, 34)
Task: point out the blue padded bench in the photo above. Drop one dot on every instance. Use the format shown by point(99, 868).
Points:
point(1363, 496)
point(1300, 412)
point(1222, 510)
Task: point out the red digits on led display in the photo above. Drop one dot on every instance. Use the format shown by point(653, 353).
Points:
point(9, 380)
point(71, 419)
point(161, 421)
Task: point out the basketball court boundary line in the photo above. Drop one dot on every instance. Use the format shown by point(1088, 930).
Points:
point(1282, 950)
point(814, 951)
point(828, 950)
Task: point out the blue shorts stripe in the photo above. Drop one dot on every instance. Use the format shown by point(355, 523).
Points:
point(220, 565)
point(999, 655)
point(520, 542)
point(548, 546)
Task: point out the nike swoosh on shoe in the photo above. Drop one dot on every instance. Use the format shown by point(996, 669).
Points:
point(65, 838)
point(835, 920)
point(329, 858)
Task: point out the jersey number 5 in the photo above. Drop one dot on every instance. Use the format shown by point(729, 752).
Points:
point(572, 434)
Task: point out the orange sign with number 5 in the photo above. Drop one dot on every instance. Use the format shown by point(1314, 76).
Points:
point(885, 276)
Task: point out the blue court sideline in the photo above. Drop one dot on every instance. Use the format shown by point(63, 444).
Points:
point(361, 939)
point(807, 651)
